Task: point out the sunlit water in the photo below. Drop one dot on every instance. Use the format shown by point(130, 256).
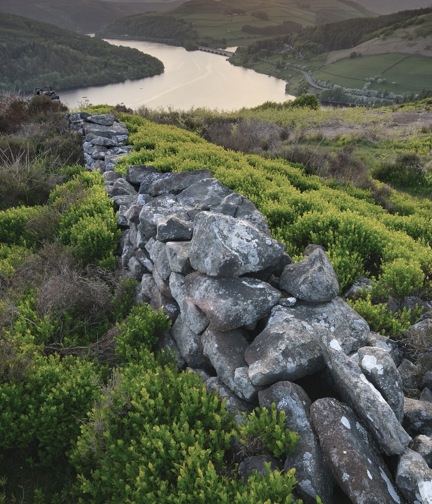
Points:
point(191, 80)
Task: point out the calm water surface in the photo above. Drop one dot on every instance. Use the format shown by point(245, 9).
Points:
point(191, 80)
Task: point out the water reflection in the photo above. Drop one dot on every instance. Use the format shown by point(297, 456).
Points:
point(191, 80)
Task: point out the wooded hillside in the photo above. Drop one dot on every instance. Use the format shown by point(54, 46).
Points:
point(35, 54)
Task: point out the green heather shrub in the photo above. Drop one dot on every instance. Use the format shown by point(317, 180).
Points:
point(88, 224)
point(140, 329)
point(402, 278)
point(157, 435)
point(94, 239)
point(11, 256)
point(406, 171)
point(381, 319)
point(47, 408)
point(13, 225)
point(266, 427)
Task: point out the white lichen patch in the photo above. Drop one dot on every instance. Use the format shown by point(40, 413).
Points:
point(370, 364)
point(369, 475)
point(345, 477)
point(425, 489)
point(334, 343)
point(391, 489)
point(373, 389)
point(345, 422)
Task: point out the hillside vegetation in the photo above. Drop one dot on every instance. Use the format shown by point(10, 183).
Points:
point(89, 412)
point(83, 16)
point(384, 57)
point(35, 54)
point(240, 22)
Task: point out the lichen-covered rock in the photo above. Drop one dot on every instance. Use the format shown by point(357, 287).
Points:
point(205, 194)
point(189, 344)
point(243, 385)
point(230, 303)
point(354, 462)
point(313, 279)
point(410, 374)
point(233, 403)
point(284, 350)
point(104, 119)
point(178, 257)
point(357, 391)
point(121, 187)
point(312, 475)
point(414, 478)
point(177, 182)
point(390, 346)
point(382, 372)
point(158, 210)
point(226, 353)
point(192, 315)
point(236, 205)
point(225, 246)
point(137, 174)
point(417, 417)
point(172, 228)
point(423, 444)
point(346, 325)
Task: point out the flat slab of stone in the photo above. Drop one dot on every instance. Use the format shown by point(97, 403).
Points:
point(177, 182)
point(348, 327)
point(363, 397)
point(230, 303)
point(356, 465)
point(381, 371)
point(225, 246)
point(285, 350)
point(205, 194)
point(312, 474)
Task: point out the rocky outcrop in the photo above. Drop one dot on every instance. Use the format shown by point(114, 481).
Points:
point(259, 330)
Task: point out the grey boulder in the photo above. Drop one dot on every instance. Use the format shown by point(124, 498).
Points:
point(230, 303)
point(356, 465)
point(313, 279)
point(284, 350)
point(225, 246)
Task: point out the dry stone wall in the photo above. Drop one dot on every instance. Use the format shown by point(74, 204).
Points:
point(260, 329)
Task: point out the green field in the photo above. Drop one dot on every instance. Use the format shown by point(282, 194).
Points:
point(410, 73)
point(223, 21)
point(225, 26)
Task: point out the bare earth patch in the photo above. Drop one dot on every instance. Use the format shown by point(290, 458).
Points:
point(400, 123)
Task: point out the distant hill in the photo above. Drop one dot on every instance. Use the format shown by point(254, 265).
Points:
point(83, 16)
point(235, 22)
point(382, 57)
point(389, 6)
point(35, 54)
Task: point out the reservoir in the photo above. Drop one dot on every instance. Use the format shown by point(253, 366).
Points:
point(192, 79)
